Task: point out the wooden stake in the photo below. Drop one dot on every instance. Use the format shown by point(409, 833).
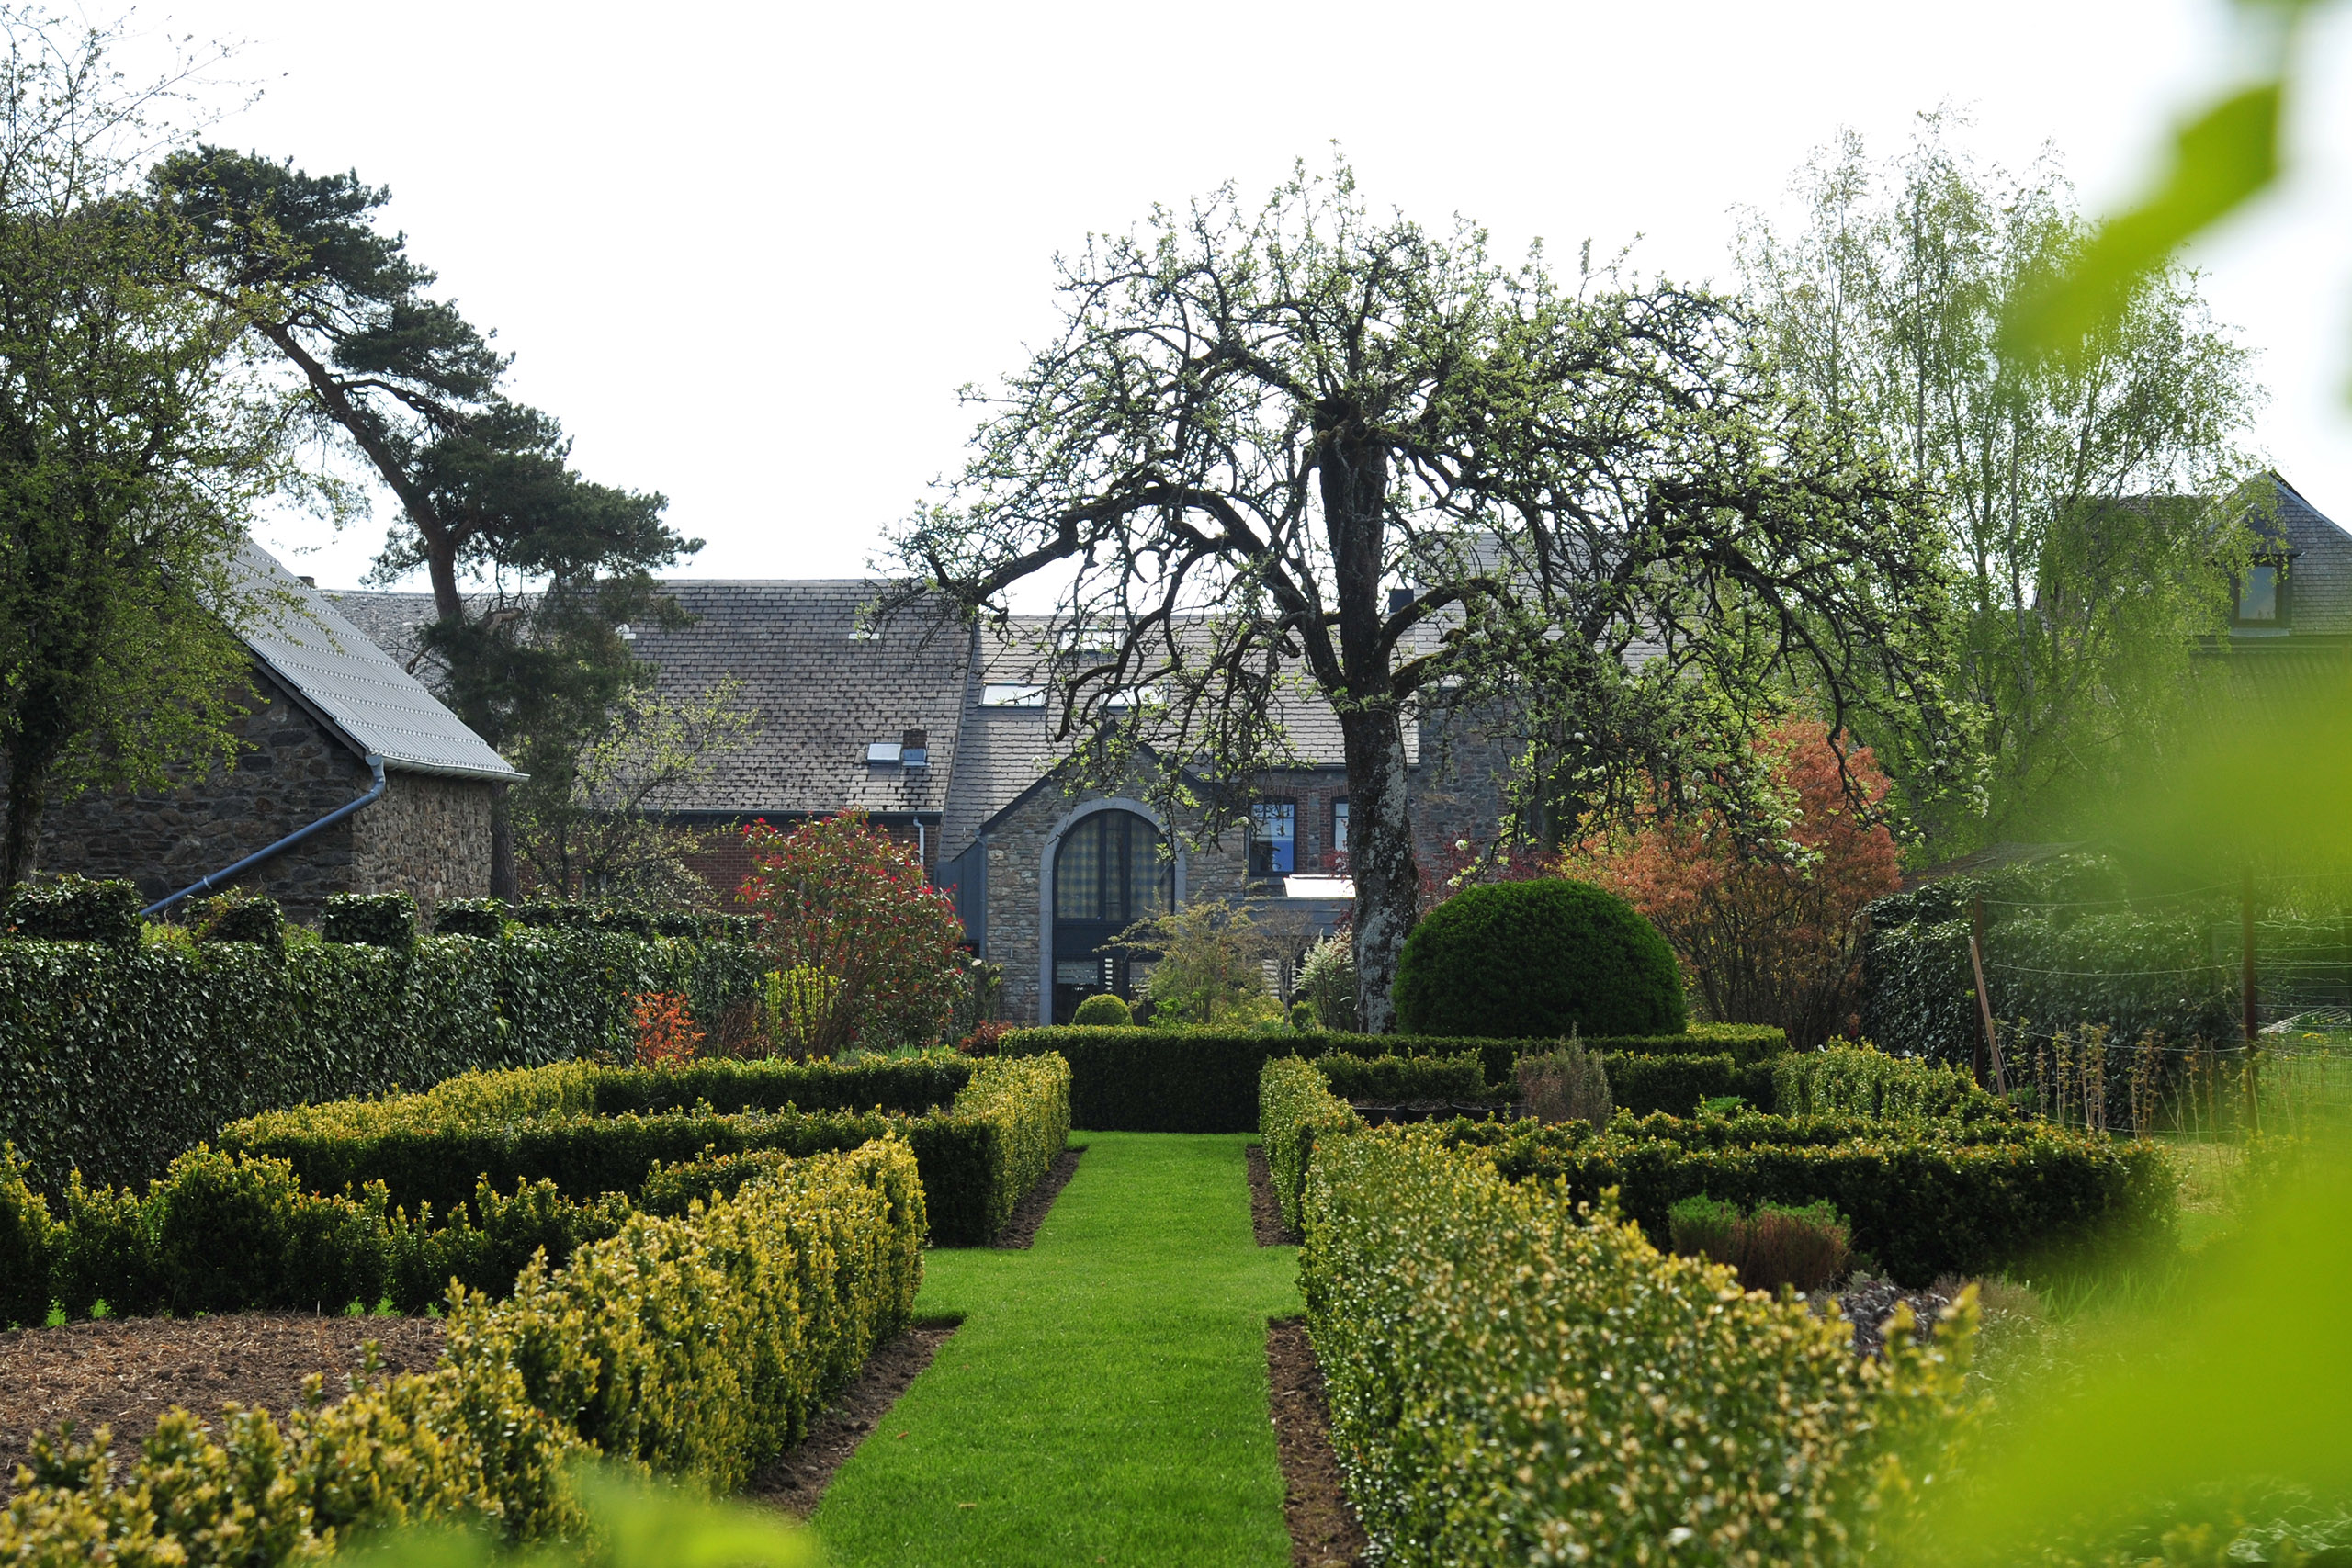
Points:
point(1988, 1059)
point(2253, 1074)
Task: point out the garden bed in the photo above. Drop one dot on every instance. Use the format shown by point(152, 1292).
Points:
point(1021, 1231)
point(1324, 1531)
point(125, 1372)
point(795, 1480)
point(1265, 1206)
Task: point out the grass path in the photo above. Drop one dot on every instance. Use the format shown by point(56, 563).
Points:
point(1105, 1399)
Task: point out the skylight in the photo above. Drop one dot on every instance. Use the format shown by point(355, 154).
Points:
point(1008, 696)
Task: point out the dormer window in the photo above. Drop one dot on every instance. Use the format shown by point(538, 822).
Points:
point(2262, 598)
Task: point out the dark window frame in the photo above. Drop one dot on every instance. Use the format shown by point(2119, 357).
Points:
point(2282, 597)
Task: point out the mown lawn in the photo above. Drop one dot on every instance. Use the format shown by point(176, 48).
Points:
point(1105, 1399)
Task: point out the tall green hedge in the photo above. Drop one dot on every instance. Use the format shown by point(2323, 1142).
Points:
point(114, 1057)
point(1171, 1080)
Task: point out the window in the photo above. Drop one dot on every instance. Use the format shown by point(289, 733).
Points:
point(1274, 837)
point(1339, 831)
point(1108, 868)
point(1011, 696)
point(2262, 596)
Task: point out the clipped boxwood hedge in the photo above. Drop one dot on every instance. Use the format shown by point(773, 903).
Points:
point(1183, 1080)
point(698, 1346)
point(1678, 1084)
point(1857, 1081)
point(1294, 1105)
point(1925, 1199)
point(592, 1130)
point(114, 1057)
point(1511, 1384)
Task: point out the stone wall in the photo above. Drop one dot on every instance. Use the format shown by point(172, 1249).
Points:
point(428, 837)
point(289, 771)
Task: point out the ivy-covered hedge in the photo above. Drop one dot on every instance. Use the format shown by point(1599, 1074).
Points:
point(1006, 1120)
point(1294, 1105)
point(117, 1056)
point(1171, 1080)
point(1925, 1199)
point(1509, 1384)
point(2064, 947)
point(698, 1345)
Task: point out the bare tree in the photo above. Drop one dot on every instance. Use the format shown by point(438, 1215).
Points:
point(1300, 446)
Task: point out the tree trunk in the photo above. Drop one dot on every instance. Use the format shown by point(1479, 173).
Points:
point(1380, 857)
point(504, 881)
point(20, 841)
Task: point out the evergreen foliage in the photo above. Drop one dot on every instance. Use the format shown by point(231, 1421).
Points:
point(1538, 960)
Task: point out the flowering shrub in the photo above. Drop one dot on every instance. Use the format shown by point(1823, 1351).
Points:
point(666, 1035)
point(1766, 931)
point(840, 898)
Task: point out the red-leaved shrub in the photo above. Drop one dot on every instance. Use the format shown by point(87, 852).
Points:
point(666, 1035)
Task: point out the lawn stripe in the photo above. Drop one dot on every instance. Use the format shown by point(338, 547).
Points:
point(1106, 1398)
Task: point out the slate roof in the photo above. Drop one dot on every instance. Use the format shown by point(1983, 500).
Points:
point(821, 693)
point(339, 672)
point(2319, 551)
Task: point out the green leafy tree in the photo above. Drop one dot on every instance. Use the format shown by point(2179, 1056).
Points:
point(1307, 450)
point(489, 499)
point(2077, 493)
point(598, 831)
point(132, 445)
point(1207, 967)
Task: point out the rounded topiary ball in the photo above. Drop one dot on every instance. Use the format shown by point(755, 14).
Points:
point(1534, 960)
point(1103, 1011)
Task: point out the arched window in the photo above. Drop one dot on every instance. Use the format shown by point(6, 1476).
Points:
point(1108, 874)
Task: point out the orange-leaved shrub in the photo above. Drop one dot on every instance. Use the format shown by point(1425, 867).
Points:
point(666, 1035)
point(1767, 926)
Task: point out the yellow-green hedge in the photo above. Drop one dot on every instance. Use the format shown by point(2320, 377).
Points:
point(698, 1346)
point(1512, 1381)
point(1295, 1104)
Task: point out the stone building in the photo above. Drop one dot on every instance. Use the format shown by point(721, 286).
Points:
point(943, 739)
point(328, 708)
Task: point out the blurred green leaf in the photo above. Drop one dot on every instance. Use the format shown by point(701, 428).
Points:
point(2219, 162)
point(2243, 1377)
point(631, 1524)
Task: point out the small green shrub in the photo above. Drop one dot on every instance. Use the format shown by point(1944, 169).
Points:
point(1512, 1379)
point(373, 920)
point(26, 1233)
point(1676, 1085)
point(1395, 1079)
point(1104, 1011)
point(1538, 960)
point(72, 908)
point(240, 916)
point(1566, 1085)
point(1806, 1248)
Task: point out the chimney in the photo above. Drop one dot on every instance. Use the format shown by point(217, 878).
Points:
point(1399, 599)
point(914, 748)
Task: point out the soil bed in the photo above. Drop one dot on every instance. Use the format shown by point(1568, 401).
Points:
point(1021, 1230)
point(796, 1480)
point(125, 1372)
point(1323, 1529)
point(1265, 1209)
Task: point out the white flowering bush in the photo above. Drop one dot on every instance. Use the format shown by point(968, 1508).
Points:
point(1514, 1379)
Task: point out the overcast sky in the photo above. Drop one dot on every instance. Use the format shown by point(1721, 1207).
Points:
point(748, 254)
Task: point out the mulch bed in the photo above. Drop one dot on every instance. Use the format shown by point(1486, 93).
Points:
point(1868, 1304)
point(125, 1372)
point(1323, 1529)
point(1021, 1230)
point(795, 1480)
point(1265, 1209)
